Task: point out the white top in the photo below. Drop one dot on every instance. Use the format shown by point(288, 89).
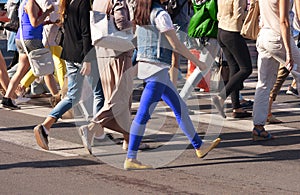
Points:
point(163, 23)
point(269, 13)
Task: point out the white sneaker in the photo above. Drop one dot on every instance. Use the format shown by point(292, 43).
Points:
point(86, 137)
point(21, 100)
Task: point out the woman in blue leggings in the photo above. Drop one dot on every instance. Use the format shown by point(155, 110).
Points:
point(156, 38)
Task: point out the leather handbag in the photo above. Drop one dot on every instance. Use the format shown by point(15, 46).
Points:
point(250, 28)
point(104, 32)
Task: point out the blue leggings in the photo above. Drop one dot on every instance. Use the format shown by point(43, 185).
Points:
point(159, 86)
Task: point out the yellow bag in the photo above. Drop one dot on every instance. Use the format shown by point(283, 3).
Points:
point(250, 28)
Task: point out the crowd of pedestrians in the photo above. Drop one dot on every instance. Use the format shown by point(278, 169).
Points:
point(161, 35)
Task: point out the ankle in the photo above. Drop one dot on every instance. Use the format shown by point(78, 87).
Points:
point(45, 130)
point(259, 127)
point(270, 114)
point(238, 110)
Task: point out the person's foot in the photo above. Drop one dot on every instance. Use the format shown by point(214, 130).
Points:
point(206, 147)
point(243, 114)
point(292, 91)
point(261, 134)
point(87, 137)
point(8, 103)
point(273, 120)
point(246, 104)
point(55, 99)
point(133, 164)
point(219, 106)
point(41, 137)
point(21, 100)
point(21, 90)
point(87, 134)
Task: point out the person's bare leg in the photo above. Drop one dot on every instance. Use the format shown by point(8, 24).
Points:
point(48, 122)
point(15, 80)
point(4, 79)
point(51, 84)
point(270, 106)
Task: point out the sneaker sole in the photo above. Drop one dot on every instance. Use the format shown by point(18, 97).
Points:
point(84, 142)
point(39, 140)
point(11, 108)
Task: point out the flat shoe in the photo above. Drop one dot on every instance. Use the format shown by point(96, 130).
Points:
point(241, 114)
point(273, 120)
point(135, 165)
point(202, 152)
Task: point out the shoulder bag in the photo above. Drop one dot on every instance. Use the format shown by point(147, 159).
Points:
point(105, 34)
point(250, 28)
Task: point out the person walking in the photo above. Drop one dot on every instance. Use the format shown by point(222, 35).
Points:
point(4, 79)
point(32, 20)
point(115, 69)
point(156, 38)
point(49, 34)
point(204, 36)
point(78, 54)
point(275, 45)
point(231, 15)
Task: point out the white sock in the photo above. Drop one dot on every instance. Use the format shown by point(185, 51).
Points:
point(46, 130)
point(100, 137)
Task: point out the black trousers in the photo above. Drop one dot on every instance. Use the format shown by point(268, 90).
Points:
point(239, 61)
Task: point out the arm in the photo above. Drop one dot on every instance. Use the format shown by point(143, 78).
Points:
point(32, 9)
point(84, 14)
point(285, 30)
point(181, 48)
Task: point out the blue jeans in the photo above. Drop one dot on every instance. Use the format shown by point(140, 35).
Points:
point(159, 86)
point(75, 82)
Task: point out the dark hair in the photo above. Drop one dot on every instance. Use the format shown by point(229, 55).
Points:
point(142, 12)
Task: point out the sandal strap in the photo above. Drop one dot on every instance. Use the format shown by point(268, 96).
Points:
point(267, 136)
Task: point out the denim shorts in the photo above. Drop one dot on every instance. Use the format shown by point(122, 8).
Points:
point(30, 45)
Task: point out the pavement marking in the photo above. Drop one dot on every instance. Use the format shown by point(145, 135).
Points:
point(26, 139)
point(69, 149)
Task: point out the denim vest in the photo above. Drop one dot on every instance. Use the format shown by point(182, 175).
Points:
point(152, 46)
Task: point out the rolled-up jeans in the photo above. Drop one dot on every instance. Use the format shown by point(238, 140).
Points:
point(75, 82)
point(271, 52)
point(208, 54)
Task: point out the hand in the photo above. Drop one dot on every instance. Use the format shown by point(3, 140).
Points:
point(289, 64)
point(86, 69)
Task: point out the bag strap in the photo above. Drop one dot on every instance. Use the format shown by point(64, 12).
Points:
point(21, 11)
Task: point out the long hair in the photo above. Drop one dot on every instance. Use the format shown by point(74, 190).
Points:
point(142, 12)
point(62, 9)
